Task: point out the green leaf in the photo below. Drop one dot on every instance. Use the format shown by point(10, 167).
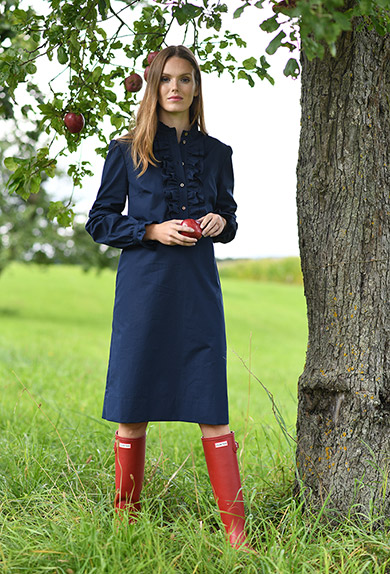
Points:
point(243, 75)
point(43, 152)
point(20, 15)
point(10, 163)
point(62, 55)
point(250, 63)
point(50, 169)
point(58, 104)
point(264, 63)
point(186, 13)
point(17, 183)
point(221, 7)
point(79, 23)
point(111, 97)
point(117, 121)
point(48, 110)
point(103, 6)
point(35, 184)
point(292, 68)
point(275, 43)
point(64, 214)
point(74, 41)
point(97, 72)
point(31, 68)
point(379, 28)
point(116, 45)
point(102, 32)
point(259, 4)
point(237, 13)
point(55, 33)
point(270, 25)
point(290, 46)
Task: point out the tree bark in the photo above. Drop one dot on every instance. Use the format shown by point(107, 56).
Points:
point(343, 428)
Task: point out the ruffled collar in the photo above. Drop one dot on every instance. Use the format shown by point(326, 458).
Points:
point(166, 150)
point(163, 131)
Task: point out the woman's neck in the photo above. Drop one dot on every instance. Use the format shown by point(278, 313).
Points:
point(180, 122)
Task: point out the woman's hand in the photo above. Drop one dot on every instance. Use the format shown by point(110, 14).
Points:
point(167, 233)
point(212, 224)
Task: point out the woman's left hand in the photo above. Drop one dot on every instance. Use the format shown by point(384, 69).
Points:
point(212, 224)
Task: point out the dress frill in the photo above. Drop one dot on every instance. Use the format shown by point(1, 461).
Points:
point(194, 171)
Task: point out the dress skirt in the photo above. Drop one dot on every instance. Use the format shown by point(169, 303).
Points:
point(168, 346)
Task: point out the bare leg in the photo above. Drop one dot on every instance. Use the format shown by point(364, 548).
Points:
point(209, 431)
point(132, 430)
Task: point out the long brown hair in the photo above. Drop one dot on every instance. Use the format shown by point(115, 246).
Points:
point(142, 136)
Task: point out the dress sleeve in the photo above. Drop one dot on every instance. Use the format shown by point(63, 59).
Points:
point(106, 223)
point(226, 206)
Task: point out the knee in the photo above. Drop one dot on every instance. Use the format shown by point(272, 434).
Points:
point(132, 430)
point(210, 431)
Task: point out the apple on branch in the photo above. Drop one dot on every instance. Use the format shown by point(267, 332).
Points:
point(151, 57)
point(133, 83)
point(197, 230)
point(74, 122)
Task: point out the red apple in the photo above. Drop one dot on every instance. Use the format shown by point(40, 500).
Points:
point(133, 83)
point(197, 233)
point(151, 57)
point(74, 122)
point(146, 72)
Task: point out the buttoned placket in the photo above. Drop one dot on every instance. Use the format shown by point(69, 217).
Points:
point(181, 165)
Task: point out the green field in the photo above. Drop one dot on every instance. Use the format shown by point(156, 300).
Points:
point(56, 466)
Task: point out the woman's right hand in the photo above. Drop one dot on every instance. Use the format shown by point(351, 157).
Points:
point(167, 233)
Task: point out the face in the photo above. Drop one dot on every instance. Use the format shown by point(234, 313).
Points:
point(177, 87)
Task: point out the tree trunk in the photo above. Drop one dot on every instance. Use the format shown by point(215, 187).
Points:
point(343, 427)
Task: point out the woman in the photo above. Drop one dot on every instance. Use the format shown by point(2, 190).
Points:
point(168, 349)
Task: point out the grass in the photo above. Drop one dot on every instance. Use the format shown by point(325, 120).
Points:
point(56, 467)
point(278, 270)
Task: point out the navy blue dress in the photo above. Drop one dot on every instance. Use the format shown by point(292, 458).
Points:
point(168, 347)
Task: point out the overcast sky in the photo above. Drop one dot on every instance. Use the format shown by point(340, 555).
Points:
point(262, 126)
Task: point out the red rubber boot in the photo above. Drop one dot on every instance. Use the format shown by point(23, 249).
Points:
point(221, 459)
point(129, 473)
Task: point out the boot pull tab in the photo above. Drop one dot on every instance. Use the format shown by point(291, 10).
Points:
point(236, 446)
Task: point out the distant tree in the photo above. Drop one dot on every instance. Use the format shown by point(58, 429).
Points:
point(343, 184)
point(33, 228)
point(26, 234)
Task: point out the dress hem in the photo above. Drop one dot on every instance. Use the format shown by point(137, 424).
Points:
point(166, 420)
